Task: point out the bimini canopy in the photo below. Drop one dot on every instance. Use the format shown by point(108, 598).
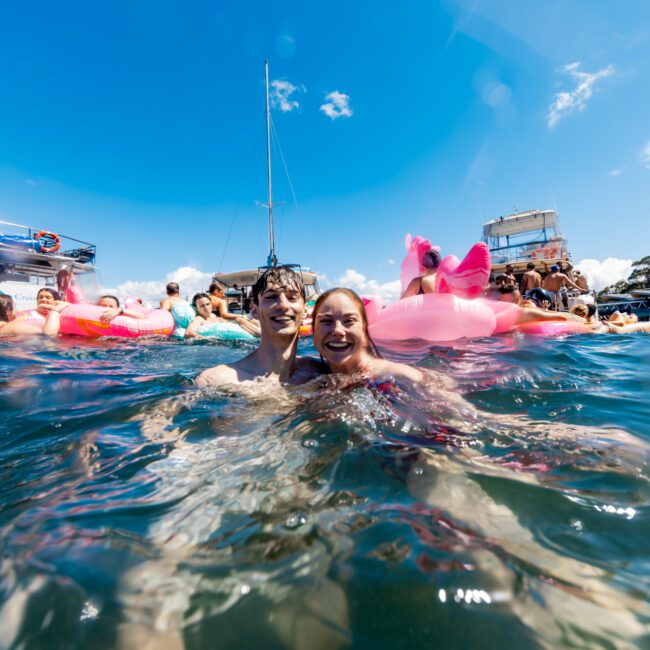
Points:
point(249, 278)
point(533, 220)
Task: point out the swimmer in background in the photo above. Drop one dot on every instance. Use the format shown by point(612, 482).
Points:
point(427, 282)
point(113, 309)
point(203, 306)
point(279, 303)
point(217, 297)
point(12, 324)
point(173, 296)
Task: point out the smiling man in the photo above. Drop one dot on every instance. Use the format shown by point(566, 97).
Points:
point(279, 304)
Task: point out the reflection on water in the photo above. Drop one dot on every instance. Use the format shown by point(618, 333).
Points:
point(505, 503)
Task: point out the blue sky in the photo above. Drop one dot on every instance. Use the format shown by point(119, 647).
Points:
point(140, 126)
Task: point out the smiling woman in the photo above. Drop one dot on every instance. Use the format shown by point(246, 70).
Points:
point(341, 336)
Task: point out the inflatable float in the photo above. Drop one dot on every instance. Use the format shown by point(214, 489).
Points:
point(85, 320)
point(183, 314)
point(456, 309)
point(453, 312)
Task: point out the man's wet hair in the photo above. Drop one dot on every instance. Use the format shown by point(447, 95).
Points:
point(282, 276)
point(173, 289)
point(530, 266)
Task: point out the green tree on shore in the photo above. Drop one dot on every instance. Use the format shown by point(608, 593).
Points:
point(639, 278)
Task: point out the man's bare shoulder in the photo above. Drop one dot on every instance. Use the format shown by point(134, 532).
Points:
point(310, 367)
point(233, 373)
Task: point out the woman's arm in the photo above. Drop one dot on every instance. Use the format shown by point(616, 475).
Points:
point(222, 310)
point(191, 331)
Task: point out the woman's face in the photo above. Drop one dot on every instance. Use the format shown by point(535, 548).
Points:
point(339, 333)
point(45, 298)
point(203, 307)
point(108, 302)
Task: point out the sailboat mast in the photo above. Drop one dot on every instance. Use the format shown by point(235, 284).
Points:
point(272, 259)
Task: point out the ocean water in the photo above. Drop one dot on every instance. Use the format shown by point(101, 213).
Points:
point(504, 505)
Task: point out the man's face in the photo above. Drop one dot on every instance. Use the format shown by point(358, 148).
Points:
point(509, 269)
point(280, 310)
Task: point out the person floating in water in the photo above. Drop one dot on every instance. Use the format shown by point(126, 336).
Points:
point(173, 296)
point(113, 309)
point(427, 282)
point(279, 304)
point(12, 324)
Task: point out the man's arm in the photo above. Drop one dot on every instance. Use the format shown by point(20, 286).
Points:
point(218, 376)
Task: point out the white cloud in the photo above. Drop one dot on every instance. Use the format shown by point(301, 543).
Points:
point(337, 105)
point(391, 261)
point(615, 172)
point(352, 279)
point(604, 274)
point(565, 103)
point(190, 279)
point(644, 156)
point(281, 91)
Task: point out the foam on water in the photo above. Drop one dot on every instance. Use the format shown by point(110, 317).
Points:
point(505, 503)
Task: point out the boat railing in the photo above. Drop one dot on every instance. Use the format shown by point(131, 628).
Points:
point(535, 251)
point(18, 236)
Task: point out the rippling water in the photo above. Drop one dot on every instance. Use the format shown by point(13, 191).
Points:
point(506, 504)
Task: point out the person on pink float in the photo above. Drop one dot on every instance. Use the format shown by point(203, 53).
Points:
point(425, 283)
point(13, 324)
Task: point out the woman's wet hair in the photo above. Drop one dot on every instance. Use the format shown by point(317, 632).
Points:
point(55, 294)
point(372, 348)
point(198, 296)
point(117, 302)
point(6, 307)
point(431, 259)
point(216, 286)
point(282, 276)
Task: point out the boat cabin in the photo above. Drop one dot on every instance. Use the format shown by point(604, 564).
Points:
point(524, 237)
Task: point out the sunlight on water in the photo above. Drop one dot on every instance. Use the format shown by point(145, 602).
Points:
point(508, 500)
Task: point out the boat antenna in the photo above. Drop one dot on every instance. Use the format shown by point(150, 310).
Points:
point(272, 259)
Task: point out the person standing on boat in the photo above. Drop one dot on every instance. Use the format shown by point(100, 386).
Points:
point(279, 302)
point(425, 283)
point(581, 281)
point(530, 280)
point(554, 282)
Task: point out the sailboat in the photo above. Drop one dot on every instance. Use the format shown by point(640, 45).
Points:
point(244, 280)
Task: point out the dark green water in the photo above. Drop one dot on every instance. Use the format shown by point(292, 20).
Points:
point(510, 510)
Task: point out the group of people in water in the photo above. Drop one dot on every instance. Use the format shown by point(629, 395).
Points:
point(278, 306)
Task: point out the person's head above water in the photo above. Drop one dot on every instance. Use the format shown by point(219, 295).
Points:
point(279, 302)
point(6, 308)
point(173, 289)
point(47, 295)
point(431, 259)
point(111, 302)
point(203, 305)
point(218, 288)
point(341, 333)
